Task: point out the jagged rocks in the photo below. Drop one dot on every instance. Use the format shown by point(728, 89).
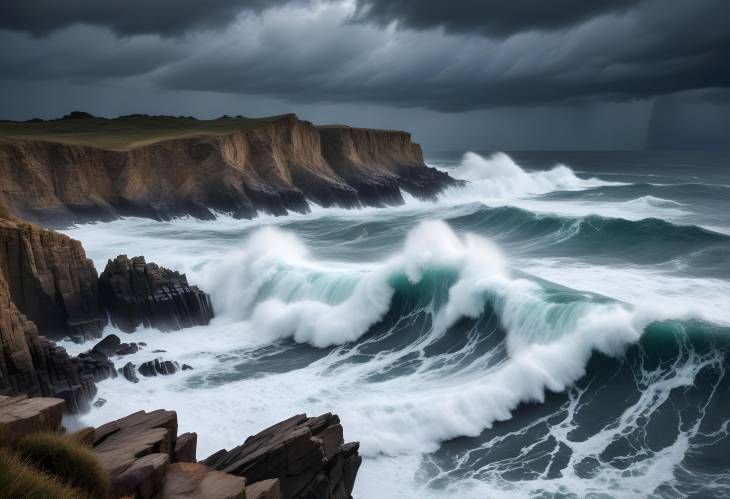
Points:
point(96, 365)
point(158, 366)
point(129, 371)
point(137, 293)
point(50, 280)
point(307, 455)
point(31, 364)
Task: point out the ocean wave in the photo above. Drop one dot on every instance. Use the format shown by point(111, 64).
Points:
point(500, 177)
point(273, 287)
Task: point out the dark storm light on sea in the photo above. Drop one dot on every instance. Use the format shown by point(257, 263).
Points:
point(349, 313)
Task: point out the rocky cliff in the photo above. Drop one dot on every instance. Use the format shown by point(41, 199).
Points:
point(50, 280)
point(33, 365)
point(274, 167)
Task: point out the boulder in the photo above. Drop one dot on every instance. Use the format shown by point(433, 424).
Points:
point(20, 416)
point(136, 293)
point(96, 365)
point(112, 345)
point(308, 456)
point(158, 366)
point(129, 371)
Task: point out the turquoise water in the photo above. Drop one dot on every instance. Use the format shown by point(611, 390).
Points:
point(560, 327)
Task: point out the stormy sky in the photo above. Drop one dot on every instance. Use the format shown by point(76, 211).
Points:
point(480, 74)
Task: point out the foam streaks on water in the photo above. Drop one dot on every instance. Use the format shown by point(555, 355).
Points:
point(533, 333)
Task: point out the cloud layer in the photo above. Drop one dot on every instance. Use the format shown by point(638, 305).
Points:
point(449, 57)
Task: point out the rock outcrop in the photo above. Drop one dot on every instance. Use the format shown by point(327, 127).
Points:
point(308, 456)
point(136, 293)
point(145, 458)
point(274, 167)
point(50, 280)
point(31, 364)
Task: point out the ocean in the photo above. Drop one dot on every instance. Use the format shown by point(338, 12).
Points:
point(558, 327)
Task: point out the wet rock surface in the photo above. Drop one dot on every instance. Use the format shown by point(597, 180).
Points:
point(136, 293)
point(158, 367)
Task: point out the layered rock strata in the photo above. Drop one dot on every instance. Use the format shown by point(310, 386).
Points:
point(136, 293)
point(308, 456)
point(31, 364)
point(145, 458)
point(274, 168)
point(50, 280)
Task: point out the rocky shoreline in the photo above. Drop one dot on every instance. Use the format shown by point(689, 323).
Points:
point(49, 175)
point(144, 457)
point(50, 290)
point(142, 454)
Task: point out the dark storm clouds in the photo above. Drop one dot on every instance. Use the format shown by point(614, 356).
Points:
point(125, 17)
point(497, 18)
point(451, 57)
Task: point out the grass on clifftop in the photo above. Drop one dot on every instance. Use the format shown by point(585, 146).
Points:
point(67, 460)
point(19, 479)
point(125, 132)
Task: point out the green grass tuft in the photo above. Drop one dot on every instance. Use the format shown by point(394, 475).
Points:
point(67, 460)
point(126, 133)
point(18, 479)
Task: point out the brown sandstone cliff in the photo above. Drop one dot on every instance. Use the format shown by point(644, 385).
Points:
point(273, 168)
point(50, 280)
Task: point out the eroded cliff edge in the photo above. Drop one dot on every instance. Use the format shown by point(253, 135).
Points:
point(273, 167)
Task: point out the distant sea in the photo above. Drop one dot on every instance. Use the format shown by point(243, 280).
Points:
point(558, 327)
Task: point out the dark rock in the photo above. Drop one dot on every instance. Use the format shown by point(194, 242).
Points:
point(127, 349)
point(159, 351)
point(307, 455)
point(31, 364)
point(138, 293)
point(109, 345)
point(186, 367)
point(50, 281)
point(129, 371)
point(99, 402)
point(96, 365)
point(142, 344)
point(158, 366)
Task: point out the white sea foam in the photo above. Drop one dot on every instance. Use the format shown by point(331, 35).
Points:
point(548, 344)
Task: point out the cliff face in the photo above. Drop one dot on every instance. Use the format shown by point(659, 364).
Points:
point(273, 168)
point(50, 280)
point(31, 364)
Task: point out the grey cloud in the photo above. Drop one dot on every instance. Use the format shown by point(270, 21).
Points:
point(497, 18)
point(126, 17)
point(652, 51)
